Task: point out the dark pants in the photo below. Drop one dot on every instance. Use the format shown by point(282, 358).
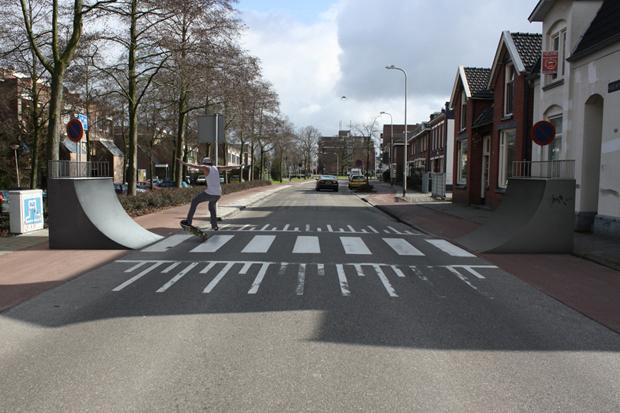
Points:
point(200, 198)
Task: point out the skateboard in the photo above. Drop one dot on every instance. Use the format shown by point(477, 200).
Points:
point(199, 232)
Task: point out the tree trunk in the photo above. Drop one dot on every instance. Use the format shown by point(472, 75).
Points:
point(34, 175)
point(55, 113)
point(181, 127)
point(132, 170)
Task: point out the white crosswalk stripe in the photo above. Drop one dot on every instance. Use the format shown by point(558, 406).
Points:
point(307, 245)
point(259, 244)
point(403, 247)
point(168, 243)
point(354, 246)
point(177, 277)
point(449, 248)
point(213, 244)
point(218, 278)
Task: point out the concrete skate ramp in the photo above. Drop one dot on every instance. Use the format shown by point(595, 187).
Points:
point(84, 213)
point(535, 216)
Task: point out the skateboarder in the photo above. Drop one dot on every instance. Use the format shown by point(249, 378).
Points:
point(211, 194)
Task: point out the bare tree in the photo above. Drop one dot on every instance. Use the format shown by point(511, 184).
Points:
point(308, 141)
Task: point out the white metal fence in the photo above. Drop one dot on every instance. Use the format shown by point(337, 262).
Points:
point(438, 185)
point(75, 169)
point(544, 169)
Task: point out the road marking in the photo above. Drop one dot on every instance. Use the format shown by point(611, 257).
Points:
point(283, 268)
point(359, 270)
point(342, 278)
point(265, 227)
point(137, 276)
point(170, 267)
point(319, 229)
point(301, 279)
point(168, 243)
point(320, 268)
point(354, 246)
point(208, 267)
point(461, 277)
point(351, 228)
point(260, 244)
point(135, 267)
point(395, 230)
point(244, 227)
point(384, 280)
point(285, 227)
point(246, 267)
point(218, 278)
point(449, 248)
point(472, 269)
point(307, 227)
point(403, 247)
point(259, 278)
point(307, 245)
point(425, 279)
point(373, 230)
point(296, 229)
point(330, 229)
point(397, 271)
point(386, 231)
point(213, 244)
point(177, 277)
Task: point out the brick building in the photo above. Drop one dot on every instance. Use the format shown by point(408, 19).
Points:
point(338, 154)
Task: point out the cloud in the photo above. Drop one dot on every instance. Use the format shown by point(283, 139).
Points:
point(345, 49)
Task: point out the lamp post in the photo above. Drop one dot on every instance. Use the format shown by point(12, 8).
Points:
point(372, 128)
point(390, 148)
point(15, 147)
point(392, 67)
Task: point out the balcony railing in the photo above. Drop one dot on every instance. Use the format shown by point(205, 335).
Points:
point(75, 169)
point(544, 169)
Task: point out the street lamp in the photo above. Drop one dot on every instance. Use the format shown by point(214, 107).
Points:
point(15, 147)
point(392, 67)
point(390, 148)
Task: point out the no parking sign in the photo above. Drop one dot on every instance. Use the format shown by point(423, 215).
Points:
point(543, 132)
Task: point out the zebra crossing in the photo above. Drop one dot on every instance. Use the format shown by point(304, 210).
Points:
point(471, 276)
point(328, 228)
point(309, 244)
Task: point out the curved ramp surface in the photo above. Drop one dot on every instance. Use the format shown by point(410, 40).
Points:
point(84, 213)
point(535, 216)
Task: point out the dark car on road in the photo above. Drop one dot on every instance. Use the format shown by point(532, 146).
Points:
point(327, 182)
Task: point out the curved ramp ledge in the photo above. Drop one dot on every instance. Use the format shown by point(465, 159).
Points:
point(84, 213)
point(535, 216)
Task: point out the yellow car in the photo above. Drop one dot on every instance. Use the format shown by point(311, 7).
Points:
point(357, 181)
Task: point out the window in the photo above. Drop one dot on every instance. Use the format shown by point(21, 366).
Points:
point(555, 148)
point(507, 155)
point(509, 89)
point(463, 110)
point(558, 44)
point(462, 162)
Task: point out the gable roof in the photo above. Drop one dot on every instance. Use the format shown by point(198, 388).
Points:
point(541, 10)
point(603, 31)
point(485, 118)
point(475, 81)
point(524, 50)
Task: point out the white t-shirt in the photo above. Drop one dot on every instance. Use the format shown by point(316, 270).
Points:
point(213, 182)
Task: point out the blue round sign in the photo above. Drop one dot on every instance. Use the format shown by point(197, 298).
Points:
point(543, 132)
point(75, 130)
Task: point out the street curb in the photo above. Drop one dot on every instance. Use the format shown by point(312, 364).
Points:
point(396, 217)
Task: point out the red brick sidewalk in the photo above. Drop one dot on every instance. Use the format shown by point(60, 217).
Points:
point(590, 288)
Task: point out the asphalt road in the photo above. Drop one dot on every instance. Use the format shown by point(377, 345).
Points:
point(304, 302)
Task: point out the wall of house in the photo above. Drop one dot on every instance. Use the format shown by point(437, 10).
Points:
point(596, 126)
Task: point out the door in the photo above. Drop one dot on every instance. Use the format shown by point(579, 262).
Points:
point(486, 164)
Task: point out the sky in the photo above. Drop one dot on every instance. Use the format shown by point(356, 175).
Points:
point(315, 52)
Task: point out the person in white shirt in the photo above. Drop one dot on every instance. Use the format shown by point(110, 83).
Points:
point(211, 194)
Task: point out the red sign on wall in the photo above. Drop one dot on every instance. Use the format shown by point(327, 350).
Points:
point(550, 63)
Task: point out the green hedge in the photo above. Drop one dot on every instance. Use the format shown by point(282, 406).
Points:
point(147, 202)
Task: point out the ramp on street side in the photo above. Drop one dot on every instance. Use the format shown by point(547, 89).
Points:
point(535, 216)
point(85, 213)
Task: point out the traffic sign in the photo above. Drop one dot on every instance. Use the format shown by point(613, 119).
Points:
point(543, 132)
point(82, 117)
point(550, 63)
point(75, 130)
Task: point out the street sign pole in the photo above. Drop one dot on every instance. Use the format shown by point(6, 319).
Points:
point(216, 139)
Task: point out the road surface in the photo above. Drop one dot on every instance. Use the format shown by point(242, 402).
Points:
point(310, 302)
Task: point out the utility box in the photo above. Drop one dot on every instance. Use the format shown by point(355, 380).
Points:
point(26, 211)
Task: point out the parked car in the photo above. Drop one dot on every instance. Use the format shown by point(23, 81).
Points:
point(357, 181)
point(327, 182)
point(201, 180)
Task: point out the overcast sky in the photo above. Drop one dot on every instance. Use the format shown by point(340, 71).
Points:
point(316, 51)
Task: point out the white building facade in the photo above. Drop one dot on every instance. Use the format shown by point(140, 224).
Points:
point(583, 102)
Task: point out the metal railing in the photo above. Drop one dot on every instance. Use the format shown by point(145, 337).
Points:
point(564, 169)
point(438, 185)
point(76, 169)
